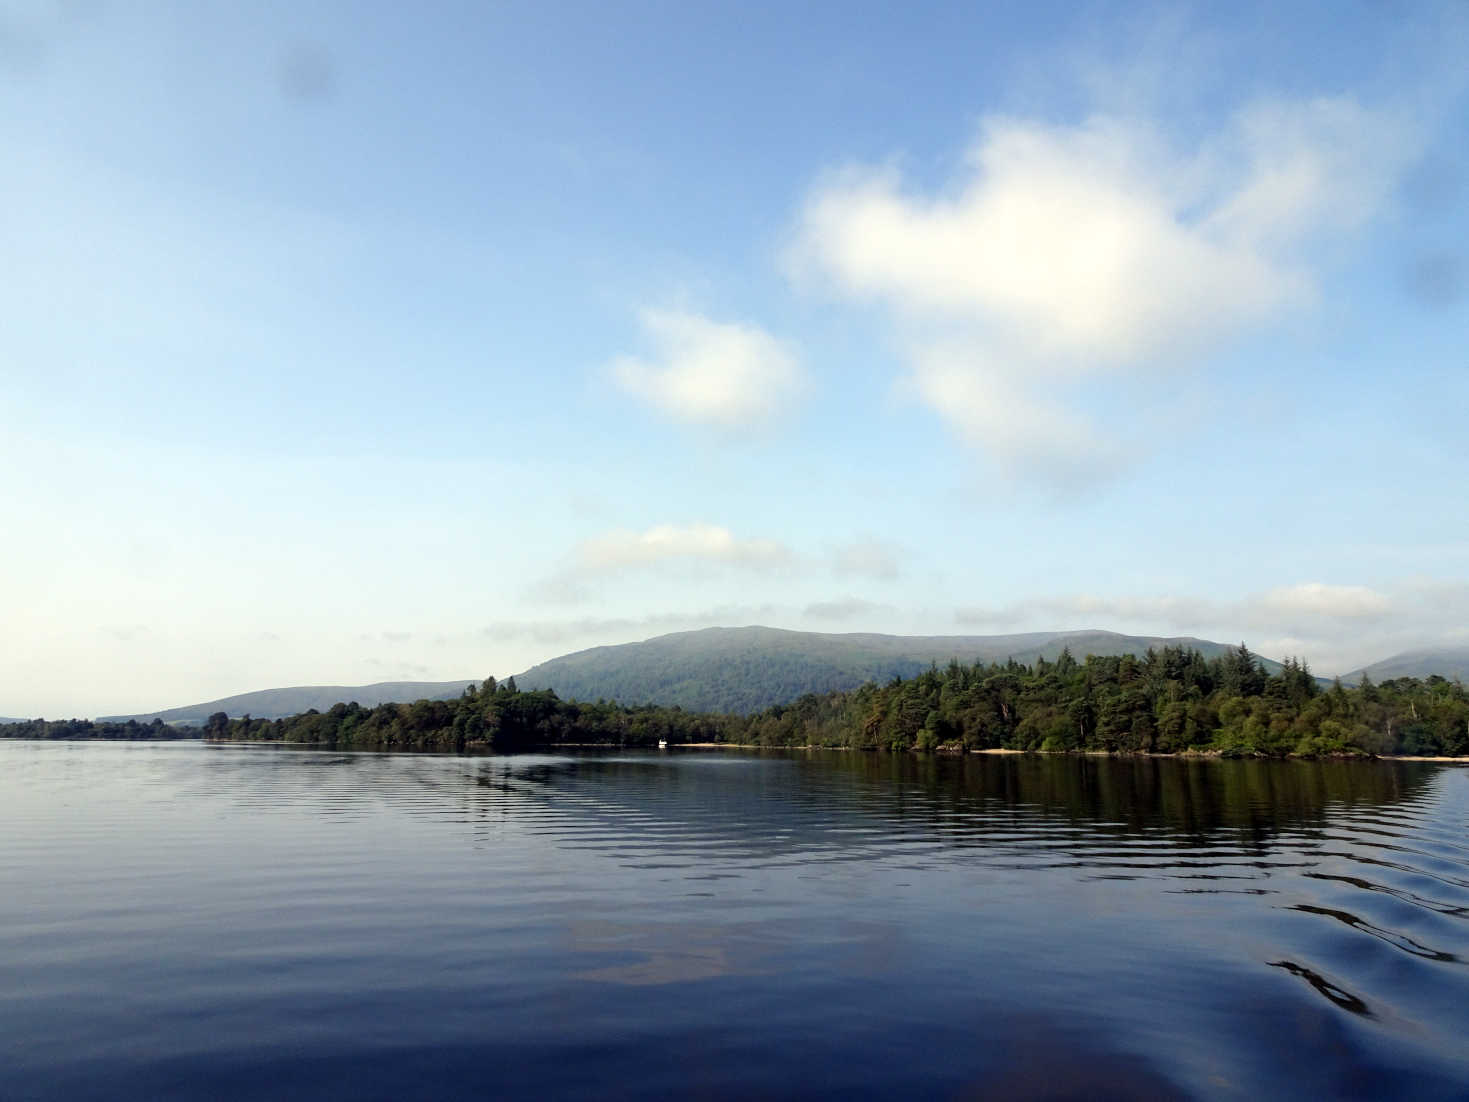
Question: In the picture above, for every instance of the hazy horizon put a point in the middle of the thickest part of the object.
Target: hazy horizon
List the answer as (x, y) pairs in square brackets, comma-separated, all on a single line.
[(266, 690), (352, 343)]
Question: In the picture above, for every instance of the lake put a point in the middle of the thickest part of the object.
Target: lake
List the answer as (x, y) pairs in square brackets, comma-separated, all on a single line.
[(252, 922)]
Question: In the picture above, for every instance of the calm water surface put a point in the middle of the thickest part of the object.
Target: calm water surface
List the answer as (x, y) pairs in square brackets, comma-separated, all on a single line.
[(190, 921)]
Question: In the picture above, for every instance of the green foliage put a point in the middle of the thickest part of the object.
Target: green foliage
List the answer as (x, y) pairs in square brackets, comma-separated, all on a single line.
[(1168, 700), (491, 717), (57, 729), (750, 669)]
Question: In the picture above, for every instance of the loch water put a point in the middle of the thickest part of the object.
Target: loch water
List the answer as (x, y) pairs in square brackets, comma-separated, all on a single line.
[(191, 921)]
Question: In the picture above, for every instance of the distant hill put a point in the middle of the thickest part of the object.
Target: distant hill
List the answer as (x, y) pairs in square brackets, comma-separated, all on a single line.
[(279, 703), (717, 669), (1450, 662), (4, 719), (750, 668)]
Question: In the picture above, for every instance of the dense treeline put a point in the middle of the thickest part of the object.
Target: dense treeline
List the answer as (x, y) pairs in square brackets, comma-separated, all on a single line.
[(1168, 701), (491, 716), (88, 729), (747, 670)]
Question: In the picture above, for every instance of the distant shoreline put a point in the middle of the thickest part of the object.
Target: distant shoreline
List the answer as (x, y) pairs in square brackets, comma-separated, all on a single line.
[(1003, 751), (1000, 751), (1008, 751)]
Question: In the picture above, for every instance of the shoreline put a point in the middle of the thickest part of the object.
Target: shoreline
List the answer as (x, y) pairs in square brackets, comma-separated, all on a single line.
[(1203, 755), (954, 752)]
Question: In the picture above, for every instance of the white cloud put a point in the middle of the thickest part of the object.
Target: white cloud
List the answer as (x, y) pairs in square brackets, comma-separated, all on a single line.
[(1277, 610), (845, 608), (664, 542), (700, 552), (1321, 165), (1020, 428), (1338, 602), (714, 373), (1094, 251)]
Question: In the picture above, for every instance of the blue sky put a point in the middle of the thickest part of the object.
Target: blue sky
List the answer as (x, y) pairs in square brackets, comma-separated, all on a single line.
[(347, 342)]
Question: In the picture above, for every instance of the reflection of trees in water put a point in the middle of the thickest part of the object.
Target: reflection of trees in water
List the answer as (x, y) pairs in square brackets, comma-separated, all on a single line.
[(1337, 995), (780, 802), (1352, 850), (1185, 796), (1191, 796)]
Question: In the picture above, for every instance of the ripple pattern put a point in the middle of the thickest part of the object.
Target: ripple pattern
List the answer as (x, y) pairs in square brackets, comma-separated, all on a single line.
[(180, 911)]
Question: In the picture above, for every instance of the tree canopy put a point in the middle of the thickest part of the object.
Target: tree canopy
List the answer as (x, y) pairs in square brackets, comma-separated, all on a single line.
[(1169, 700)]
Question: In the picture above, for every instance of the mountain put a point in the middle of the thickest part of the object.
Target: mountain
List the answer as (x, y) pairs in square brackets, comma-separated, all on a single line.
[(750, 668), (279, 703), (1450, 662), (717, 669)]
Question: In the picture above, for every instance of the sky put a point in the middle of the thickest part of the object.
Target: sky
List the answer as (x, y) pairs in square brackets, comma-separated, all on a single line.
[(354, 342)]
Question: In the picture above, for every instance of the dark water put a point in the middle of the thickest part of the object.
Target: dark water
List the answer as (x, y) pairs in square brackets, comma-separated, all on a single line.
[(182, 921)]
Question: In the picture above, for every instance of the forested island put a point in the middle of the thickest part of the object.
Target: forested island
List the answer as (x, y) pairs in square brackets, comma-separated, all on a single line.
[(1171, 700)]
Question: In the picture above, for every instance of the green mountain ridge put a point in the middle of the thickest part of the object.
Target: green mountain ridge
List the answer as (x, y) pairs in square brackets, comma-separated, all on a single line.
[(747, 669), (1448, 661), (281, 703)]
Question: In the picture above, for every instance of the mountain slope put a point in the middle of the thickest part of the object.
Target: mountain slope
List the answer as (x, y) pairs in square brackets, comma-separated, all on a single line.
[(279, 703), (750, 668), (717, 669), (1450, 662)]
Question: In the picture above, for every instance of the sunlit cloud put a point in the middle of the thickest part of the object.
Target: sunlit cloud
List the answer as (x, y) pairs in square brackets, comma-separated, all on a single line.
[(1062, 254), (1336, 602), (665, 542), (714, 373)]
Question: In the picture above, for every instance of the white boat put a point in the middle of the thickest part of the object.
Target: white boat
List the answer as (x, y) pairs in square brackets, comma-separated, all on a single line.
[(663, 744)]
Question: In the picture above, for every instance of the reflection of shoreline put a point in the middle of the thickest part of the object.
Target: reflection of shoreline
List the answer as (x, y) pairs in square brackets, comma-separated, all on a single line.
[(1183, 755), (476, 751)]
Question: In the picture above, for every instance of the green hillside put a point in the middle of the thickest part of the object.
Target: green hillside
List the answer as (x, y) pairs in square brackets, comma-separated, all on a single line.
[(747, 669), (279, 703), (732, 670), (1449, 662)]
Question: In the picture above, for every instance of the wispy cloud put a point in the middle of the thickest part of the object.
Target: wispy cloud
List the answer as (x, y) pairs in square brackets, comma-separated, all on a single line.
[(1338, 627), (700, 550), (1336, 602), (847, 608), (1282, 608), (610, 629), (695, 550), (707, 372), (867, 558), (1062, 254), (690, 542)]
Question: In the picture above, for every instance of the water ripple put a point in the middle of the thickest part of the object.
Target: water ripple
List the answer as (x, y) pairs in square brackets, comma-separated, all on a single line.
[(845, 900)]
